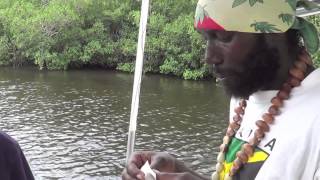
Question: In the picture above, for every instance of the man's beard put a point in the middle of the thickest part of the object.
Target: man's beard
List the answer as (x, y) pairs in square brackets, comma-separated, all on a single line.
[(256, 72)]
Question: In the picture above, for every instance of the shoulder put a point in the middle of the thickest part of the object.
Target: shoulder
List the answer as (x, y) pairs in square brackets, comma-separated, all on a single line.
[(7, 142), (307, 96)]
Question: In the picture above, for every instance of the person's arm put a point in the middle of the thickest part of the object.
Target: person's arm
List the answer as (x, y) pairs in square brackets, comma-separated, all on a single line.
[(165, 165), (13, 164)]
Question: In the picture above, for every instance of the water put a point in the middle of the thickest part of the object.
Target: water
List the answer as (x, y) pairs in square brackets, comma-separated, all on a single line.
[(73, 125)]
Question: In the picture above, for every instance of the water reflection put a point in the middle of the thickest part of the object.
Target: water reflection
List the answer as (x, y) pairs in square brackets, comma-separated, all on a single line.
[(73, 125)]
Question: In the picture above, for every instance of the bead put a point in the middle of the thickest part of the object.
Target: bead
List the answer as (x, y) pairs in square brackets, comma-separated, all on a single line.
[(237, 163), (263, 126), (277, 101), (294, 82), (230, 132), (268, 118), (215, 176), (239, 110), (301, 65), (274, 110), (235, 126), (243, 103), (226, 139), (233, 171), (286, 87), (237, 118), (242, 156), (283, 94), (219, 167), (223, 148), (220, 157), (228, 177), (254, 141), (259, 134), (297, 73), (306, 58), (248, 149)]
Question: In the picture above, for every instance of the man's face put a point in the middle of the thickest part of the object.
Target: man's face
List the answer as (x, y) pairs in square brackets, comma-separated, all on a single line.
[(243, 62)]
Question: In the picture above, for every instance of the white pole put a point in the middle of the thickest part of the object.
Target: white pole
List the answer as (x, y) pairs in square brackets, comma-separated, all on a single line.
[(301, 12), (137, 78)]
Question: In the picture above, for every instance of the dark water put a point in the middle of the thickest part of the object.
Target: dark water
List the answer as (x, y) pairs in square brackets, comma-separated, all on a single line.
[(73, 125)]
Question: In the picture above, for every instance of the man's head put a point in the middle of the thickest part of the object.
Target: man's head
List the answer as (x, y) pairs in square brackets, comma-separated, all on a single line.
[(247, 62), (252, 44)]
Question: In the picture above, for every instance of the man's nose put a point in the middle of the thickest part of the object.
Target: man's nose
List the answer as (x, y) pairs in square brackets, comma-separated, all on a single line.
[(213, 54)]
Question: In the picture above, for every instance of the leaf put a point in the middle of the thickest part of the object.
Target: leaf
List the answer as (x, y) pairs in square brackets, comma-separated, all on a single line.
[(286, 18), (253, 2), (265, 27), (238, 3), (309, 34), (292, 3)]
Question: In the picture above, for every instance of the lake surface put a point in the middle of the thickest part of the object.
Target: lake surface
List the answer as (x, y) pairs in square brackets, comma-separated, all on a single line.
[(73, 125)]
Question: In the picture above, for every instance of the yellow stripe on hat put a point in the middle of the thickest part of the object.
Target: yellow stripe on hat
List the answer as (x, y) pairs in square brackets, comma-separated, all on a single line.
[(250, 16)]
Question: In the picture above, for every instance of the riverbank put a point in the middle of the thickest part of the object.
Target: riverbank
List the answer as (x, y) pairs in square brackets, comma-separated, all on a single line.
[(60, 35)]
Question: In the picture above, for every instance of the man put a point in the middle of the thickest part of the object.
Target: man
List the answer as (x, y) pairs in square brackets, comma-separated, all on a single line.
[(257, 55), (13, 164)]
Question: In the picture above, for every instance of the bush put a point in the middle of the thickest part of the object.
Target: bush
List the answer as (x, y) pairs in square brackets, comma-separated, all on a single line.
[(193, 74), (126, 67), (316, 21)]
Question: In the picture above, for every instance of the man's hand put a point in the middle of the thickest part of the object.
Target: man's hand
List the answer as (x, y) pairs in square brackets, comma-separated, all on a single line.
[(165, 165)]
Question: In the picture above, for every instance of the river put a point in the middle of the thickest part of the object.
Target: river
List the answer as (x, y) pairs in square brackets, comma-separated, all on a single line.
[(73, 124)]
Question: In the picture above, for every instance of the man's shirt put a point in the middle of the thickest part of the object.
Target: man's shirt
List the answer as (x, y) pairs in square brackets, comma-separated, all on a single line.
[(291, 149)]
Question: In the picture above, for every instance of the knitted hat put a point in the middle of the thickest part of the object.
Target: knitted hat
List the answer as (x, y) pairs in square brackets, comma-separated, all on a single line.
[(257, 16)]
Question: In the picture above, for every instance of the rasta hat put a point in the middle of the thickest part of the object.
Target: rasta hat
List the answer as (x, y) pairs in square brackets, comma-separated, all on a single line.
[(257, 16)]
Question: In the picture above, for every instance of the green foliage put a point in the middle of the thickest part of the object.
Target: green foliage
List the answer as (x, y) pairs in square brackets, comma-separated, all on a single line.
[(60, 34), (316, 21), (171, 66), (195, 74), (126, 67), (4, 51)]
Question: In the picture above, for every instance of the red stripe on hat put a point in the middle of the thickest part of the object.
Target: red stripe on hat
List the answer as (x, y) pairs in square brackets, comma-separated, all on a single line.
[(208, 23)]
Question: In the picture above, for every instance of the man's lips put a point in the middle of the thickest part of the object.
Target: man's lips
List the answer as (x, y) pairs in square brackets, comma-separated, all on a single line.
[(222, 74)]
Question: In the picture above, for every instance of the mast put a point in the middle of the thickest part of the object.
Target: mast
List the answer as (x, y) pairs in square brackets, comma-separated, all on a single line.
[(137, 78)]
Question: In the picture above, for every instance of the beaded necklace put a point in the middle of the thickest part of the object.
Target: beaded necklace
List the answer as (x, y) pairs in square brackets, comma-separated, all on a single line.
[(296, 75)]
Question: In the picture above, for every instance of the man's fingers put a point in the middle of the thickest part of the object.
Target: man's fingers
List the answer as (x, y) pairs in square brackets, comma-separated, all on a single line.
[(134, 171), (172, 176), (139, 158), (163, 162), (126, 176), (167, 176)]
